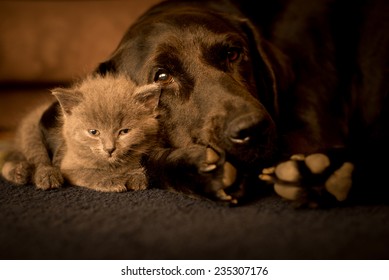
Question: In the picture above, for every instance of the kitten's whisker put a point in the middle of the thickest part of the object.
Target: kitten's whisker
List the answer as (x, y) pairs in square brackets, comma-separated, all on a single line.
[(140, 151)]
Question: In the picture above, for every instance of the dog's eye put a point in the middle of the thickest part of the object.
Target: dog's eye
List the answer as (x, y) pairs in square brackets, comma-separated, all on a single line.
[(233, 54), (163, 76)]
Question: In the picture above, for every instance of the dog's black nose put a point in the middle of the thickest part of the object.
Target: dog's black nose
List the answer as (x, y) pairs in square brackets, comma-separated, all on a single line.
[(245, 128)]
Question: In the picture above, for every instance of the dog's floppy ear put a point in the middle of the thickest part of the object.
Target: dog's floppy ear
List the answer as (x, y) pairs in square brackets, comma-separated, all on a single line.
[(148, 95), (272, 66), (105, 67)]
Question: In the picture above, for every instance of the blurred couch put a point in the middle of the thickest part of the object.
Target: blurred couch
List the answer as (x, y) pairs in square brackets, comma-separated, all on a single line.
[(50, 43)]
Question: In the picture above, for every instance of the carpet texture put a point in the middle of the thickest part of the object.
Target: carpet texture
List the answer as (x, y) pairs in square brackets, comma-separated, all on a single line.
[(77, 223)]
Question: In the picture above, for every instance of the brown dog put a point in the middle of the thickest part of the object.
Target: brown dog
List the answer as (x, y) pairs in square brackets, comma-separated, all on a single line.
[(245, 88)]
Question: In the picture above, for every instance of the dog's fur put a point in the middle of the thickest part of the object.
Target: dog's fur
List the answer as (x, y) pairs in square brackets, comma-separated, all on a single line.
[(260, 83)]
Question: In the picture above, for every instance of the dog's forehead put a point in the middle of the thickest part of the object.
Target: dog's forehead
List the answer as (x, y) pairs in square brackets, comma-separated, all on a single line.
[(173, 39), (189, 23), (215, 23), (192, 31)]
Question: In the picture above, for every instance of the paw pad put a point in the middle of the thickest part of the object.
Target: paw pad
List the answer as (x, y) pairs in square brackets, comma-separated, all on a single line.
[(211, 160), (228, 174), (340, 182), (317, 163), (288, 171), (287, 191), (307, 178)]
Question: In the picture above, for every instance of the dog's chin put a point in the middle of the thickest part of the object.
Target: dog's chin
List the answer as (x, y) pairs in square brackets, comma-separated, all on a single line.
[(251, 155), (251, 159)]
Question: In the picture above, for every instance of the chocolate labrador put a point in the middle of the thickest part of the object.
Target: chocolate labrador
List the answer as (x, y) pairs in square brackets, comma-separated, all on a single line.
[(288, 92)]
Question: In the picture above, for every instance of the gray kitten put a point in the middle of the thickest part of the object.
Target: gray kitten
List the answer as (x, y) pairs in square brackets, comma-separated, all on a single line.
[(95, 136)]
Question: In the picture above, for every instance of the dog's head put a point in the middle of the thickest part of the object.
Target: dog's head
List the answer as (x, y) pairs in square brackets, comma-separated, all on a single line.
[(218, 85)]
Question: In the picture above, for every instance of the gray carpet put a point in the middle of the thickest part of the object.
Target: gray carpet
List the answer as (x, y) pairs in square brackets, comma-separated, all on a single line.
[(76, 223)]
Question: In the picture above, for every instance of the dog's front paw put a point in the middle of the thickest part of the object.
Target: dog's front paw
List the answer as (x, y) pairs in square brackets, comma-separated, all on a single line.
[(312, 180), (220, 175)]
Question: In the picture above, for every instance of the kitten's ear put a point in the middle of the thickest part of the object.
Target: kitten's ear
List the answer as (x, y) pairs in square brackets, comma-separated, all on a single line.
[(68, 99), (148, 95)]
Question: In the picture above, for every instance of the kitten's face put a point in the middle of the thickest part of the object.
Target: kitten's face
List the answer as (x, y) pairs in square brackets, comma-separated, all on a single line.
[(108, 119), (114, 141)]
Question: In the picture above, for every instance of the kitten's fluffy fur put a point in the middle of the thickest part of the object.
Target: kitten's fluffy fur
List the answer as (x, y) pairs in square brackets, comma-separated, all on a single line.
[(95, 136)]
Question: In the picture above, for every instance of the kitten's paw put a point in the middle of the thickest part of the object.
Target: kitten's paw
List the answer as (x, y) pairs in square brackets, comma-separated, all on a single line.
[(311, 181), (18, 173), (48, 177), (137, 181), (110, 185)]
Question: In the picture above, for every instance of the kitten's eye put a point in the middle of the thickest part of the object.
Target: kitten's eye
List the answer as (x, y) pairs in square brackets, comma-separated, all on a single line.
[(124, 131), (163, 77), (93, 132)]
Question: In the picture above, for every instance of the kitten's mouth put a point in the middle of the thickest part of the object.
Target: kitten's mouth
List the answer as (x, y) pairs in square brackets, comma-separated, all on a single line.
[(111, 157)]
